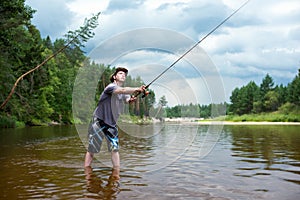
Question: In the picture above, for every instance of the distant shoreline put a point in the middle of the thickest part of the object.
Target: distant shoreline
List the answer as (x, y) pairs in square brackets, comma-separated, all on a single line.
[(246, 123), (204, 122)]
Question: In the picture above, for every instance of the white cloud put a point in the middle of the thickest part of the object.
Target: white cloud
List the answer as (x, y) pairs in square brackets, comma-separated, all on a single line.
[(263, 37), (285, 8), (85, 8), (51, 18)]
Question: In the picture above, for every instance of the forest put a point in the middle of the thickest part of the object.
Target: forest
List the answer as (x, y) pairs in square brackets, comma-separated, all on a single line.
[(252, 102), (45, 95)]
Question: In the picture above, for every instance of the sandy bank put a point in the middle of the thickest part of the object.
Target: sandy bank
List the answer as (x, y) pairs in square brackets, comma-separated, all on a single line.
[(248, 123), (200, 122)]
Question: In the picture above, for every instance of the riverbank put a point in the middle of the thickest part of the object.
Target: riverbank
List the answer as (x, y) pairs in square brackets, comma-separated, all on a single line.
[(183, 120), (245, 123), (224, 122)]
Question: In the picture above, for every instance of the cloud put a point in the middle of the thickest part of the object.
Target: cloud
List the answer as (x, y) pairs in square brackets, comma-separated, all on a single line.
[(263, 37), (52, 18), (84, 8), (121, 5), (253, 48)]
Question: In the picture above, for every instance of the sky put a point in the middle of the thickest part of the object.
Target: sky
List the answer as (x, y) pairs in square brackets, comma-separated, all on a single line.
[(147, 36)]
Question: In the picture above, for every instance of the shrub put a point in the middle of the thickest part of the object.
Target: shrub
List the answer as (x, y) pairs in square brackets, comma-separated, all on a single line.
[(6, 122)]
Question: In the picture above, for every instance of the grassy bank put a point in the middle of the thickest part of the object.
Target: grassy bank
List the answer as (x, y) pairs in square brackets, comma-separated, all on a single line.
[(135, 119), (6, 122), (264, 117)]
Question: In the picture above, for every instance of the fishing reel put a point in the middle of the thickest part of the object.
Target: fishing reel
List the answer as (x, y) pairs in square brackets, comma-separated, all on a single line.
[(145, 93)]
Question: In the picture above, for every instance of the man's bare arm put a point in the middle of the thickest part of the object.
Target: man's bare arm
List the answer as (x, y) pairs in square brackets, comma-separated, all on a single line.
[(128, 90)]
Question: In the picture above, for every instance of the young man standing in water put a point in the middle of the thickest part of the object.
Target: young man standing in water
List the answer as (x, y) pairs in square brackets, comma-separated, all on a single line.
[(106, 115)]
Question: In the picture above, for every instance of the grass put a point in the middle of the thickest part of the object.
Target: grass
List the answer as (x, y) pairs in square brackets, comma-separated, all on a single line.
[(8, 122), (264, 117), (135, 119), (286, 113)]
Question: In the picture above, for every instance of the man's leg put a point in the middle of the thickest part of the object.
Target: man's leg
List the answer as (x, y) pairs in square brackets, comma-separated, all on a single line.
[(88, 159), (95, 136), (115, 159), (115, 174)]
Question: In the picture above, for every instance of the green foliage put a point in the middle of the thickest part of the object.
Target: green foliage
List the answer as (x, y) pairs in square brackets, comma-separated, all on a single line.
[(294, 90), (264, 117), (6, 122), (282, 94), (141, 107), (84, 33), (87, 82), (163, 101), (271, 101), (134, 119), (174, 111), (205, 111), (93, 78), (287, 108), (266, 98), (244, 99), (45, 94), (197, 111), (266, 85), (21, 47)]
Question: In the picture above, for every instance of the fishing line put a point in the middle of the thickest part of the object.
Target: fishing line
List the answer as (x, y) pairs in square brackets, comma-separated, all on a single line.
[(213, 30)]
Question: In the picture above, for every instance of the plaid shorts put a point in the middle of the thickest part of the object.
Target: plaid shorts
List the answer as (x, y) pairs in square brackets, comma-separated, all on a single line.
[(97, 131)]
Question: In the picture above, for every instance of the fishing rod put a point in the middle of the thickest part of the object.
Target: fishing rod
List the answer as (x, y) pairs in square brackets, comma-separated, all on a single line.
[(176, 61)]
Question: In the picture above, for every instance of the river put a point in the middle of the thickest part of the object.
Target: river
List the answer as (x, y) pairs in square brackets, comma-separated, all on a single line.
[(166, 161)]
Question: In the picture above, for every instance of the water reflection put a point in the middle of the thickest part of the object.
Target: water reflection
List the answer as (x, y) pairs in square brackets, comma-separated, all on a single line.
[(104, 189), (151, 153), (268, 143), (247, 162), (267, 151)]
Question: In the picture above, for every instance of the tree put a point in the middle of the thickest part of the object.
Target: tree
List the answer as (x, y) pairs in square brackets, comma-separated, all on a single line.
[(253, 95), (163, 101), (244, 105), (282, 94), (21, 47), (294, 90), (234, 98), (266, 98), (243, 99), (190, 110), (266, 86), (149, 102), (271, 102), (174, 111), (75, 39), (41, 93), (205, 110)]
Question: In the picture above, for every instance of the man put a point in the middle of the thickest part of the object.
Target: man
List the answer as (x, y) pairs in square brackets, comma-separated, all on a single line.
[(106, 115)]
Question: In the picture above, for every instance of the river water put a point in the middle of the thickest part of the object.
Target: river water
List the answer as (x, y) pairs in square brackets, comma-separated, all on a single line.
[(167, 161)]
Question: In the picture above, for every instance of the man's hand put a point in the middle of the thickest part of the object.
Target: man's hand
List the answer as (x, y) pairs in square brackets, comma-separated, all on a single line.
[(138, 91), (142, 89)]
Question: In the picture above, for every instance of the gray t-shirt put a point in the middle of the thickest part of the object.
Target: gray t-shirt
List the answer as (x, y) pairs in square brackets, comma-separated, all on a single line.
[(110, 105)]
